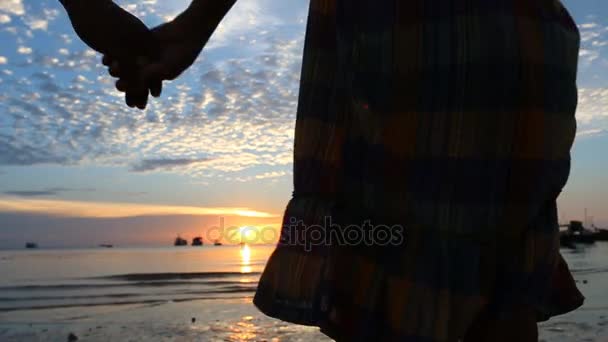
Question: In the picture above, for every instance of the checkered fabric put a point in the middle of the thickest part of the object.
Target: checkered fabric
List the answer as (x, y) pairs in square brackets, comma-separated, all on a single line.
[(448, 123)]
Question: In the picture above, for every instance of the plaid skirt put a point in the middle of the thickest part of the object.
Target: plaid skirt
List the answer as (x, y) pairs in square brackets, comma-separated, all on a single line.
[(432, 140)]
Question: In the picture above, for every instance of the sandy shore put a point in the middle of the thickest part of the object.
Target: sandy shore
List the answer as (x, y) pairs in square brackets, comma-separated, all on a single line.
[(215, 320), (235, 320)]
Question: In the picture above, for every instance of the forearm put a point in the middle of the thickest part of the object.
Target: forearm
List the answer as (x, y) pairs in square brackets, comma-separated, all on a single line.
[(203, 16)]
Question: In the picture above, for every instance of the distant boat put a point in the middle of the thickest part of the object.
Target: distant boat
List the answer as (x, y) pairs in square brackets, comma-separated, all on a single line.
[(180, 242), (31, 245), (106, 246), (576, 233), (217, 243), (601, 234), (197, 241)]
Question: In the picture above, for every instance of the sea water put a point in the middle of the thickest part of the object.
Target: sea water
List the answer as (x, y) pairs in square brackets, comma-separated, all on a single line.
[(199, 293)]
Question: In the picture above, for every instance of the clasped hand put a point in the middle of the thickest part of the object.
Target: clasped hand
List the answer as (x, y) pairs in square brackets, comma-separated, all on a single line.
[(178, 49)]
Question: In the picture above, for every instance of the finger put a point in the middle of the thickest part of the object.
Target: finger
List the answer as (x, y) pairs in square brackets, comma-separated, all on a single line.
[(142, 99), (130, 99), (122, 85), (156, 85), (137, 95), (154, 72), (136, 99), (131, 95), (156, 88), (107, 60), (114, 69)]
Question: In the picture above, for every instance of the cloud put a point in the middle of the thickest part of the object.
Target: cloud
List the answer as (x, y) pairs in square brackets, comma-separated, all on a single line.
[(30, 193), (235, 107), (591, 132), (38, 24), (593, 55), (117, 210), (16, 153), (589, 55), (45, 192), (592, 106), (272, 175), (14, 7), (164, 164), (24, 50)]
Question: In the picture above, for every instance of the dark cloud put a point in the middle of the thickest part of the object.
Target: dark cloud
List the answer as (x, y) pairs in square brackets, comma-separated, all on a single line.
[(46, 192), (164, 164), (12, 153), (31, 193)]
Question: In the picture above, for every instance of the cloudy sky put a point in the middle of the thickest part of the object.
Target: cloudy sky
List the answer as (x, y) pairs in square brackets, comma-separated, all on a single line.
[(78, 167)]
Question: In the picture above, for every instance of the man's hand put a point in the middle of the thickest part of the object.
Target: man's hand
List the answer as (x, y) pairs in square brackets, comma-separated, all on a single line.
[(114, 32), (178, 49), (109, 29)]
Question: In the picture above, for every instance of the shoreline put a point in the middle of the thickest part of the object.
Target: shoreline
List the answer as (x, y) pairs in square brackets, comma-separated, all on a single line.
[(218, 320)]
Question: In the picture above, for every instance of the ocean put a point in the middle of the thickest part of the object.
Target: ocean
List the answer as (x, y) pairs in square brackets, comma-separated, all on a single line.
[(34, 279), (198, 293)]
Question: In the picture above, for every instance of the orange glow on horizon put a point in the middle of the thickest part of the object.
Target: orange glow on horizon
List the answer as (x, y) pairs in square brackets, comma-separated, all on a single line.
[(117, 210)]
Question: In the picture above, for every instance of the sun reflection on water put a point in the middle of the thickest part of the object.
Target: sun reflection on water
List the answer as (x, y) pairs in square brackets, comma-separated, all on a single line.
[(245, 259)]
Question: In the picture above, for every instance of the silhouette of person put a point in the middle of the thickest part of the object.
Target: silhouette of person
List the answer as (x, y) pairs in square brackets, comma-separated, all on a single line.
[(446, 125)]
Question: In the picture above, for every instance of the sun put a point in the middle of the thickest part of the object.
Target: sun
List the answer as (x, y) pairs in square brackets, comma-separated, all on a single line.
[(248, 234)]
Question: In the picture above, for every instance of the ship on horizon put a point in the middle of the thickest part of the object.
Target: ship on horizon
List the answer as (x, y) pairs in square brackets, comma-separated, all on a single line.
[(576, 232), (179, 241)]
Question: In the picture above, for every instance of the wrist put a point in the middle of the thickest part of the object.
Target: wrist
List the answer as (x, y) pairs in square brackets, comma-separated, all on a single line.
[(202, 17)]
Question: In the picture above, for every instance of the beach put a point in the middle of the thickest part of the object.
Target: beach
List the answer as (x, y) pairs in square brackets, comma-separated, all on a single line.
[(198, 294)]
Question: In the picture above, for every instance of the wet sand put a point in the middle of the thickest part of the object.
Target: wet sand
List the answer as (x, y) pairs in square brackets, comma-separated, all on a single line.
[(233, 320), (214, 320)]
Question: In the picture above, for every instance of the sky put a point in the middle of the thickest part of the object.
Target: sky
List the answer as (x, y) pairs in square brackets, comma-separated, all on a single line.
[(79, 168)]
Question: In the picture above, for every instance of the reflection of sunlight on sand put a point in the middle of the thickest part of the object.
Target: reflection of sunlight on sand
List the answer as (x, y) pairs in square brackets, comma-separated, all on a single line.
[(245, 259), (255, 328), (244, 330)]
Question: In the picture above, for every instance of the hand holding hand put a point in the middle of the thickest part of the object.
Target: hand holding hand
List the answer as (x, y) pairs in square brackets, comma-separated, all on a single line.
[(179, 47), (109, 29)]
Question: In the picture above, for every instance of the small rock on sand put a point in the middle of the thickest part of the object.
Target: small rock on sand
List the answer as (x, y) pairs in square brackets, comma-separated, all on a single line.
[(72, 337)]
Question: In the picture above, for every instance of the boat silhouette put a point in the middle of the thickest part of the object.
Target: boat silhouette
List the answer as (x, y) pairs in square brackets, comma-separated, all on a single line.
[(576, 233), (179, 241)]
